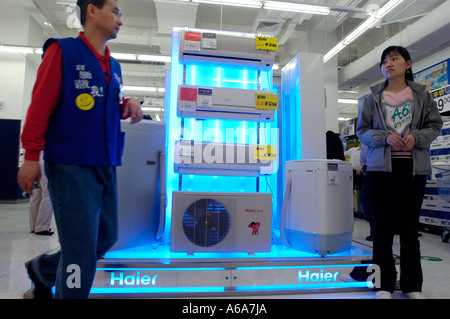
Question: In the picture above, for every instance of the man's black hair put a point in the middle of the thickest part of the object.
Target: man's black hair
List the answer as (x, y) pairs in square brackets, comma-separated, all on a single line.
[(83, 4)]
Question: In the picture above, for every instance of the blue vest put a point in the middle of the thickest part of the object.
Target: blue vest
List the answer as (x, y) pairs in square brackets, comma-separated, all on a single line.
[(85, 129)]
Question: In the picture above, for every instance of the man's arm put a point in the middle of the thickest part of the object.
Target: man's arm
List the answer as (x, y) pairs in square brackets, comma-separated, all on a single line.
[(45, 98)]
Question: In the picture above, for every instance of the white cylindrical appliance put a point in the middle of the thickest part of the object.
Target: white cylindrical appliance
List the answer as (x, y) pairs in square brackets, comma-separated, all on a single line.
[(317, 214)]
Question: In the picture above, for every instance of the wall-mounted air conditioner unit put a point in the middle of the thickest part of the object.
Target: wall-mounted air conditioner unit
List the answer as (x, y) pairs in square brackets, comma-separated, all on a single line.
[(222, 103), (224, 159), (231, 49), (221, 222)]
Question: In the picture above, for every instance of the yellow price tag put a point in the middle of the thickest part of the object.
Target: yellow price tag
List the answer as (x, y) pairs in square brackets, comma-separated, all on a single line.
[(266, 43), (266, 101), (265, 152)]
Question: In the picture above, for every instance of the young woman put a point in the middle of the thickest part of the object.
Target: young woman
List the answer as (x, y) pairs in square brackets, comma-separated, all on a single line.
[(398, 121)]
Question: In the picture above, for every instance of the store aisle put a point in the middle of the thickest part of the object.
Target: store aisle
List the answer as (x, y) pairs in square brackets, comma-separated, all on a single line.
[(17, 245)]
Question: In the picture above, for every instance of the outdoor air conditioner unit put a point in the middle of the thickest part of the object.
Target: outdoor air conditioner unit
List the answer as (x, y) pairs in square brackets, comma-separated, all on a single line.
[(221, 103), (224, 159), (231, 49), (221, 222)]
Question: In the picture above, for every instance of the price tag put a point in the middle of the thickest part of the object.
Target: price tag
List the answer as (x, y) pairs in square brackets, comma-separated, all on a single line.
[(265, 152), (266, 43), (192, 41), (266, 101), (442, 98), (333, 174), (188, 98), (209, 41), (204, 97)]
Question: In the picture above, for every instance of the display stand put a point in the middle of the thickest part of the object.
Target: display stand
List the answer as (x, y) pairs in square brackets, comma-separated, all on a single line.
[(202, 59)]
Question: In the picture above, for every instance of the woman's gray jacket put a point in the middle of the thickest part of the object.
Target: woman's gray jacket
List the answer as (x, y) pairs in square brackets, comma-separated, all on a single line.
[(372, 131)]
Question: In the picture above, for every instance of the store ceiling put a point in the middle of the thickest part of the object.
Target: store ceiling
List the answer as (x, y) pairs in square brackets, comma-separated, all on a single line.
[(147, 26)]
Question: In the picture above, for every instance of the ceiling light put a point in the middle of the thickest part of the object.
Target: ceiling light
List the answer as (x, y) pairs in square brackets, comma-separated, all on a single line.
[(17, 49), (333, 51), (152, 109), (140, 88), (123, 56), (387, 8), (154, 58), (363, 27), (304, 8), (238, 3), (347, 101)]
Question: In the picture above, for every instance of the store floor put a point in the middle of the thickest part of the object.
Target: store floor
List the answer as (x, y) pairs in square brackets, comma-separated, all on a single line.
[(18, 245)]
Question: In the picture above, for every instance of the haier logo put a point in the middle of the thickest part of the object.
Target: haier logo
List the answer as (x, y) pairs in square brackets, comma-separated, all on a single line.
[(132, 280), (317, 277)]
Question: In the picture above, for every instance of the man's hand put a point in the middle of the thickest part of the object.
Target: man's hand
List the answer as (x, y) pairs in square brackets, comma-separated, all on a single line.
[(29, 173), (133, 110)]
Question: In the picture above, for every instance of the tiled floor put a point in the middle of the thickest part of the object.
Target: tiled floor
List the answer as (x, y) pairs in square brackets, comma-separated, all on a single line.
[(17, 245)]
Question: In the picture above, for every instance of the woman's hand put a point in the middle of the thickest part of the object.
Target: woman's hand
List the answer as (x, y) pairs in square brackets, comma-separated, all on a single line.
[(409, 141), (405, 144), (395, 140)]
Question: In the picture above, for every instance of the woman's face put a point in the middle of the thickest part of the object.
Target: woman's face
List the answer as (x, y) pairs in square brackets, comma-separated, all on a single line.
[(394, 66)]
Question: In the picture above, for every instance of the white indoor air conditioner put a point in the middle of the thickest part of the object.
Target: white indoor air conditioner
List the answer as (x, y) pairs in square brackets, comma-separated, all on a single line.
[(231, 49), (141, 185), (317, 213), (223, 159), (221, 103), (221, 222)]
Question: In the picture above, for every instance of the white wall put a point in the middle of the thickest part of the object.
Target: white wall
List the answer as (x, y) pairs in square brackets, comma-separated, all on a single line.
[(12, 75), (17, 71)]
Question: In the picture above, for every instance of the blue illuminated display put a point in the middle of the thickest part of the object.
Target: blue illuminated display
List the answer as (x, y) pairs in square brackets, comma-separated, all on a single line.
[(357, 284), (214, 130), (122, 280)]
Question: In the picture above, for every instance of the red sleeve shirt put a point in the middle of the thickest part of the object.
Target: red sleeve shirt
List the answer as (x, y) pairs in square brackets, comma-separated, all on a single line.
[(46, 96)]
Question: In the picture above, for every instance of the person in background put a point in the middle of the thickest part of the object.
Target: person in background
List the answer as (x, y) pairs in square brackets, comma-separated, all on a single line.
[(354, 154), (75, 116), (366, 194), (398, 121), (335, 149), (41, 210)]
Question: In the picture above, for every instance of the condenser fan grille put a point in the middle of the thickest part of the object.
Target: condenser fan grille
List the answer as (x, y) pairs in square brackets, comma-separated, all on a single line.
[(206, 222)]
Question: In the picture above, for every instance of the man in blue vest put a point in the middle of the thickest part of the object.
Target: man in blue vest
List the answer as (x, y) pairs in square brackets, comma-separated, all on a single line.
[(75, 117)]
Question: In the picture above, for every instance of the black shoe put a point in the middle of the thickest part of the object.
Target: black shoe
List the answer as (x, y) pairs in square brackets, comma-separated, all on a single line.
[(44, 233), (40, 291), (369, 238)]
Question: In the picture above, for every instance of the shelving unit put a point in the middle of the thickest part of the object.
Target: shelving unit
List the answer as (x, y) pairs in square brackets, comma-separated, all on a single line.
[(222, 140), (234, 194)]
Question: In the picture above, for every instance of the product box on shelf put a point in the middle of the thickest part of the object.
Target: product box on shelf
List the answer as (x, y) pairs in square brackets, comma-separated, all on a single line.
[(446, 128), (430, 213), (431, 188), (445, 214)]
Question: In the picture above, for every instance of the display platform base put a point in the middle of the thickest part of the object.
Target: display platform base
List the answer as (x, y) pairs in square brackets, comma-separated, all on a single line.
[(155, 272)]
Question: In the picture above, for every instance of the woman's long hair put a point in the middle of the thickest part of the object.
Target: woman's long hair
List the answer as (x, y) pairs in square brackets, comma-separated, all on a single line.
[(404, 53)]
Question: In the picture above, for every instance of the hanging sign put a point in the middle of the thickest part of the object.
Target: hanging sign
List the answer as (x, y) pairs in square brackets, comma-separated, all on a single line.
[(266, 101), (265, 152), (266, 43), (434, 77)]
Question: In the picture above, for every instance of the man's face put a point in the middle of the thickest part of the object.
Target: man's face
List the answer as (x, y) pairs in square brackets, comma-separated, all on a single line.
[(109, 19)]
